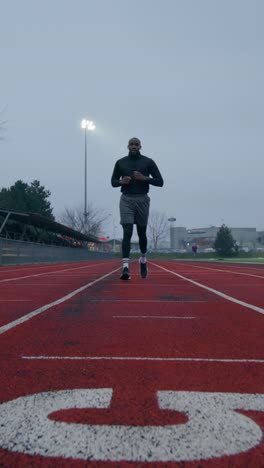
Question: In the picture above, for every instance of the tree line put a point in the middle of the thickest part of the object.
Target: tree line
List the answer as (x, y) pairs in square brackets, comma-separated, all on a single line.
[(27, 197), (34, 198)]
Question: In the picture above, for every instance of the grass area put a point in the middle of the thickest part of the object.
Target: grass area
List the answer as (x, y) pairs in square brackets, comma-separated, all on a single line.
[(244, 260), (244, 257)]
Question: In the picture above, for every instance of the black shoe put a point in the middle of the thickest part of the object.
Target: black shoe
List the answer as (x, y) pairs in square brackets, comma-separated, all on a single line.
[(143, 269), (125, 274)]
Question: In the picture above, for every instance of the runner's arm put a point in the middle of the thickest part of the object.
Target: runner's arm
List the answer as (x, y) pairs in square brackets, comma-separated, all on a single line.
[(115, 179), (156, 177)]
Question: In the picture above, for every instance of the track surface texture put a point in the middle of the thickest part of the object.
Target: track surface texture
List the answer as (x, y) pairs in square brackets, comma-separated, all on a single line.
[(166, 371)]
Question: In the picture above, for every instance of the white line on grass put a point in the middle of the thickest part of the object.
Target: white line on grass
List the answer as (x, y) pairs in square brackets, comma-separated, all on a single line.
[(38, 311), (126, 358), (214, 291)]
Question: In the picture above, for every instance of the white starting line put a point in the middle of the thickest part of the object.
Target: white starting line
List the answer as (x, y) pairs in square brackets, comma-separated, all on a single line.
[(138, 358), (146, 300), (152, 317)]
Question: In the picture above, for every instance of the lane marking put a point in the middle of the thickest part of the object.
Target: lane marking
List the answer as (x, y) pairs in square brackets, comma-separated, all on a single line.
[(139, 283), (126, 358), (50, 273), (214, 428), (214, 291), (95, 301), (12, 269), (39, 285), (237, 265), (38, 311), (151, 316), (223, 271), (25, 285), (144, 300), (15, 300)]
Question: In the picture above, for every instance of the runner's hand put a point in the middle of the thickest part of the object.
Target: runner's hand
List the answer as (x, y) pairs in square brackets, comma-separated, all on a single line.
[(138, 176), (125, 180)]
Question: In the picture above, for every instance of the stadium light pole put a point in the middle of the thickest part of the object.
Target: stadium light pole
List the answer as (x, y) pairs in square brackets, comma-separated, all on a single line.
[(171, 221), (86, 125), (114, 231), (114, 235)]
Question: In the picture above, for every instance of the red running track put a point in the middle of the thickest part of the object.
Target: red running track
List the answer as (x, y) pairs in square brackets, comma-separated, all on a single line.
[(166, 371)]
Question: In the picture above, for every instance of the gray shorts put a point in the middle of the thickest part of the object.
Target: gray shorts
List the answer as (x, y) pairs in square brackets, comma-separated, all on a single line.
[(134, 209)]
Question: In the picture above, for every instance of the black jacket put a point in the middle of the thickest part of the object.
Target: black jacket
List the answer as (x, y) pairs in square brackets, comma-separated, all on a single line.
[(127, 165)]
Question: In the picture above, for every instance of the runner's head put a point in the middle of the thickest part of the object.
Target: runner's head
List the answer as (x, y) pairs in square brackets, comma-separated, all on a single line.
[(134, 145)]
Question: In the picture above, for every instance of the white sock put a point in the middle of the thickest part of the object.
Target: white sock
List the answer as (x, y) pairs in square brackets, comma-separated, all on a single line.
[(125, 263), (143, 258)]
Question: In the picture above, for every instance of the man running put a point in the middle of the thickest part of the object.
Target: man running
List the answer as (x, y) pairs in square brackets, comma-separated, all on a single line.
[(134, 174)]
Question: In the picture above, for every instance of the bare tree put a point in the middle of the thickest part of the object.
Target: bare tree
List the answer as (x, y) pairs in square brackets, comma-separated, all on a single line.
[(157, 227), (74, 218), (2, 125)]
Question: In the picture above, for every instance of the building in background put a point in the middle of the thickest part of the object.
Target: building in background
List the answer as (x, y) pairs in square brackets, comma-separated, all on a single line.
[(182, 239)]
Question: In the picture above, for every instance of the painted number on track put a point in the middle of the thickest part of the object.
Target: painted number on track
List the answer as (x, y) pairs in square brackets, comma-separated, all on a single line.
[(214, 428)]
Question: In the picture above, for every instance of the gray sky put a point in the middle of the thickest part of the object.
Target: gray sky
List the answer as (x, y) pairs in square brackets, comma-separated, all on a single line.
[(186, 77)]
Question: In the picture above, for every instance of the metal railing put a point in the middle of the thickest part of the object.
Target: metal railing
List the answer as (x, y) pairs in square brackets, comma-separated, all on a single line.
[(14, 252)]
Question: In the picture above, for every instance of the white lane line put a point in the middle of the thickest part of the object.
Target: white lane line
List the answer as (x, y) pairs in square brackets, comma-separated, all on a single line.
[(54, 284), (126, 358), (224, 271), (139, 283), (38, 311), (39, 285), (152, 316), (15, 300), (25, 285), (6, 269), (144, 300), (214, 291), (237, 265), (49, 273)]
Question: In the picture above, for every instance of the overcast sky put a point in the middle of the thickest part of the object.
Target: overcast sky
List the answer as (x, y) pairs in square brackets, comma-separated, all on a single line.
[(185, 76)]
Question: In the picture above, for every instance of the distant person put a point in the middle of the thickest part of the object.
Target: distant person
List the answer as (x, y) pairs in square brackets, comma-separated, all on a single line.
[(132, 173), (194, 249)]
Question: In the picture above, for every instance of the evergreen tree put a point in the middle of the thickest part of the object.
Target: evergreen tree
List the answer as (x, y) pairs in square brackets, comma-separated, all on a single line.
[(225, 244), (30, 198)]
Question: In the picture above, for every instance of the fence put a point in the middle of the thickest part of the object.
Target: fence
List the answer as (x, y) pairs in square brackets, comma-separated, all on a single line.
[(13, 252)]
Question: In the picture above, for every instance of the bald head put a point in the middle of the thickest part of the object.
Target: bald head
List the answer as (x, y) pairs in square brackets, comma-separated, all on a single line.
[(134, 140), (134, 144)]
